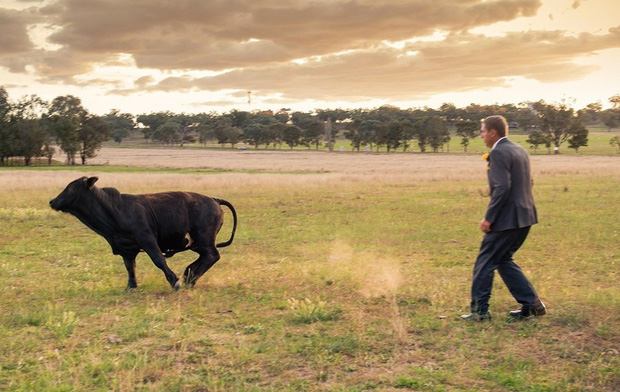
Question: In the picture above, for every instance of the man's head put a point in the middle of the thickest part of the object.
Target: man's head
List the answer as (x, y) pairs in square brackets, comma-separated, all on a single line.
[(493, 128)]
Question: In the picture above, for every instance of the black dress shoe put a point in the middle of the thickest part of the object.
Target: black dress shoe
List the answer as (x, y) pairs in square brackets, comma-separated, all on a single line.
[(539, 308), (536, 310), (522, 313), (477, 317)]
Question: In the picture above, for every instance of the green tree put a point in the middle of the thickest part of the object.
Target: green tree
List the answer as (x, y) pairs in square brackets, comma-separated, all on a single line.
[(64, 119), (557, 122), (393, 135), (291, 136), (467, 130), (312, 134), (186, 123), (120, 124), (206, 125), (5, 133), (276, 133), (65, 130), (167, 133), (312, 127), (5, 105), (368, 130), (591, 113), (474, 112), (254, 134), (537, 138), (29, 132), (615, 141), (153, 121), (282, 116), (264, 117), (331, 120), (421, 133), (526, 117), (228, 134), (48, 151), (386, 114), (437, 132), (238, 118), (379, 133), (352, 133), (579, 137), (611, 118), (408, 132), (93, 132), (450, 113)]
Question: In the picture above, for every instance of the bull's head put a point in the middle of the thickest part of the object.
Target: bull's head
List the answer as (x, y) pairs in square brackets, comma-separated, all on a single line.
[(72, 192)]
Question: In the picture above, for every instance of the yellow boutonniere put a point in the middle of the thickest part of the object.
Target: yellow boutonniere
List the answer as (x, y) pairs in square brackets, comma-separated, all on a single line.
[(485, 156)]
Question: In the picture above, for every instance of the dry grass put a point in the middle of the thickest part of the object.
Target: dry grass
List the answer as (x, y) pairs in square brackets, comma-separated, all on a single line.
[(272, 169), (438, 166)]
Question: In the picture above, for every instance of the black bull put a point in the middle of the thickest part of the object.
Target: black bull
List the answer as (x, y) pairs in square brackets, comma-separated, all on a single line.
[(159, 224)]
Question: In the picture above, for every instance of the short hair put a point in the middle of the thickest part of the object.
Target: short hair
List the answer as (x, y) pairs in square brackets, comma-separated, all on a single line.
[(498, 123)]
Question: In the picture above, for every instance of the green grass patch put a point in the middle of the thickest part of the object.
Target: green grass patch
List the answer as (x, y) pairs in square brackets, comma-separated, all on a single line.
[(340, 286)]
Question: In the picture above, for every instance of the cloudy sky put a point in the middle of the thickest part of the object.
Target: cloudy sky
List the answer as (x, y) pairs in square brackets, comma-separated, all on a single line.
[(141, 56)]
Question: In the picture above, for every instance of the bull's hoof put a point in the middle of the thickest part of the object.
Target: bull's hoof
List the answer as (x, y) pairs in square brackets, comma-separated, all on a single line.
[(188, 278), (177, 285)]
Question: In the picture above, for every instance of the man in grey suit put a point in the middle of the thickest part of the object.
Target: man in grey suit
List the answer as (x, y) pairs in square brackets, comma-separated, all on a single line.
[(506, 224)]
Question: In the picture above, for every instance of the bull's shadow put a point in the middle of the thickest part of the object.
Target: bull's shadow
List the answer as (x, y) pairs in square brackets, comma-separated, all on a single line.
[(160, 224)]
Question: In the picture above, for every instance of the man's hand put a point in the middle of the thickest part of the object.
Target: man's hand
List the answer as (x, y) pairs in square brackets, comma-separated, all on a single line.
[(485, 226)]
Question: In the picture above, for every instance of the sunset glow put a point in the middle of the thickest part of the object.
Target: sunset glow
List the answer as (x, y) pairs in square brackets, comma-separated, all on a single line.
[(142, 56)]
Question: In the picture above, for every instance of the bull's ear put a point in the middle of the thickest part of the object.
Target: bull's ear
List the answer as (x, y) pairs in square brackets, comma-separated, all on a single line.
[(91, 181)]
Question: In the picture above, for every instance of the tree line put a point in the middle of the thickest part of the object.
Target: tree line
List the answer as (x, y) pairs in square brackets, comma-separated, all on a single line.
[(32, 128)]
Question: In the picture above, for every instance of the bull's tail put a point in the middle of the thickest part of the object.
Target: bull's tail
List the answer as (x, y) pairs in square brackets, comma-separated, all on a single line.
[(234, 214)]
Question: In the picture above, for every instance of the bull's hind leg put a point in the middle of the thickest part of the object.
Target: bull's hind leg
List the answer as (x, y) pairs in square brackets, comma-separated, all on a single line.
[(130, 264), (208, 257)]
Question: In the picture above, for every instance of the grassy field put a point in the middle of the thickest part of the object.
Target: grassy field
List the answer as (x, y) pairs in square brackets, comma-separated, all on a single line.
[(348, 273)]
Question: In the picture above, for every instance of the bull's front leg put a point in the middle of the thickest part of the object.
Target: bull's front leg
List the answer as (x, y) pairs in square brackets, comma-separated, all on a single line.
[(130, 264), (160, 261), (152, 249)]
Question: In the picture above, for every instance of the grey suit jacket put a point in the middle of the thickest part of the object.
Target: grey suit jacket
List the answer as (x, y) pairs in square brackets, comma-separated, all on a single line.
[(512, 204)]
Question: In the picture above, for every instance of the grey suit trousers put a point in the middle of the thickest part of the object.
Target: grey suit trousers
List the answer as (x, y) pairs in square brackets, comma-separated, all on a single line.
[(496, 253)]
